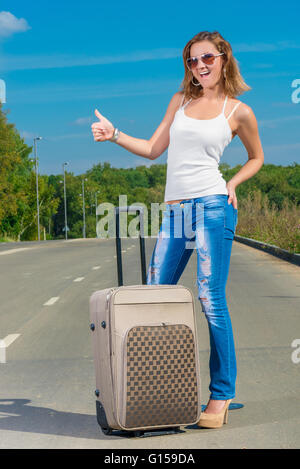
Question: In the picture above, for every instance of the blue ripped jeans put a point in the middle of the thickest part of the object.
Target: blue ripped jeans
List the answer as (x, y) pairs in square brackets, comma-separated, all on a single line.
[(206, 224)]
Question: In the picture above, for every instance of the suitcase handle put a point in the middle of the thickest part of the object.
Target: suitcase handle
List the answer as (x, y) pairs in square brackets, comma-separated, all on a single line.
[(128, 209)]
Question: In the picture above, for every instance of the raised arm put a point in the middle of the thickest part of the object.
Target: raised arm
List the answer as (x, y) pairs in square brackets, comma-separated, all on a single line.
[(103, 130)]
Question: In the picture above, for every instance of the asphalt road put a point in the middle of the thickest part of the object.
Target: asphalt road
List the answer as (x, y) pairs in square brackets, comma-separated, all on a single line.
[(47, 380)]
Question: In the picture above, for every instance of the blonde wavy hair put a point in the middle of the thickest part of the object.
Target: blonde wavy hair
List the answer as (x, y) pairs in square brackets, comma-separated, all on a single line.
[(234, 85)]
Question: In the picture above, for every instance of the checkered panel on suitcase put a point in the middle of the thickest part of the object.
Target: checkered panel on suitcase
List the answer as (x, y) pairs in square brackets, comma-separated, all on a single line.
[(161, 376)]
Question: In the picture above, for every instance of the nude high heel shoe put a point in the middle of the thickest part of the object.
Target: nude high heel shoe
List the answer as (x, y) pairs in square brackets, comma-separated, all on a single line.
[(214, 420)]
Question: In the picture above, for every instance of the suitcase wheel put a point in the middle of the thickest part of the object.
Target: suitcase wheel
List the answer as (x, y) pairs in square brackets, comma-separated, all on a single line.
[(101, 418), (107, 430)]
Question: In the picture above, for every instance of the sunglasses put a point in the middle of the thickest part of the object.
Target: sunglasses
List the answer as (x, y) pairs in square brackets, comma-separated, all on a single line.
[(208, 59)]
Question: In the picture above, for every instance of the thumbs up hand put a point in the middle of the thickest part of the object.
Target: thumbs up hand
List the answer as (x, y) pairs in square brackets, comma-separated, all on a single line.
[(103, 129)]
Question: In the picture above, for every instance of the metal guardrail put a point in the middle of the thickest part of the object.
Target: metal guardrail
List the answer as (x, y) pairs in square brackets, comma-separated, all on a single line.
[(270, 249)]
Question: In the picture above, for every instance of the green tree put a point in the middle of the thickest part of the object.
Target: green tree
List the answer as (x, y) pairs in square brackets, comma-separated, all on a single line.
[(15, 169)]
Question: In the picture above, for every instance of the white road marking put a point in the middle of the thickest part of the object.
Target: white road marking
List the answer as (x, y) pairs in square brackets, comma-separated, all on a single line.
[(96, 267), (78, 279), (12, 251), (4, 343), (6, 414), (51, 301)]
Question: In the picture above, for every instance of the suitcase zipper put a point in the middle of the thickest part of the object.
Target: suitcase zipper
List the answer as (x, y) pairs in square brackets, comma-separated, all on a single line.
[(107, 315)]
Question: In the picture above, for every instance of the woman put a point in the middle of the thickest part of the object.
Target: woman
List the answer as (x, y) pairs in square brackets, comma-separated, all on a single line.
[(201, 120)]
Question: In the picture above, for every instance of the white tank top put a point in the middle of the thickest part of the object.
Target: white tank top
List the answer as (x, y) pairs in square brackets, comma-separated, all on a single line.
[(194, 152)]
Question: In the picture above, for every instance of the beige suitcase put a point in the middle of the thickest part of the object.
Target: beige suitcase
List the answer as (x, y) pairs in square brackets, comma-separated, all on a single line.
[(146, 358)]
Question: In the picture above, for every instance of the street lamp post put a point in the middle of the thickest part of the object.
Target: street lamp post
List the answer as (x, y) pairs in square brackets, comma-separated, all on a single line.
[(65, 200), (96, 202), (37, 184), (83, 208)]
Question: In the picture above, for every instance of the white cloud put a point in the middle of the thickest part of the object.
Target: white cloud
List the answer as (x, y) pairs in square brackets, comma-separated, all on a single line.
[(265, 46), (27, 135), (288, 104), (283, 147), (141, 162), (262, 65), (272, 123), (83, 121), (93, 93), (32, 62), (58, 138), (50, 61), (10, 25)]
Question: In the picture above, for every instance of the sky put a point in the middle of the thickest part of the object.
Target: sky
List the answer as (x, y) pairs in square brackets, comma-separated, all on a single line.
[(62, 59)]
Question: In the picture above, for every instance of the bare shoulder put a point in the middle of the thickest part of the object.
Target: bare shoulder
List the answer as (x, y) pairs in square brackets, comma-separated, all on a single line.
[(178, 97), (244, 114), (175, 101)]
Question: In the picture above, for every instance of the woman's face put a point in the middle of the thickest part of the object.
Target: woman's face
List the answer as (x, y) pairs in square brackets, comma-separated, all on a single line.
[(215, 70)]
